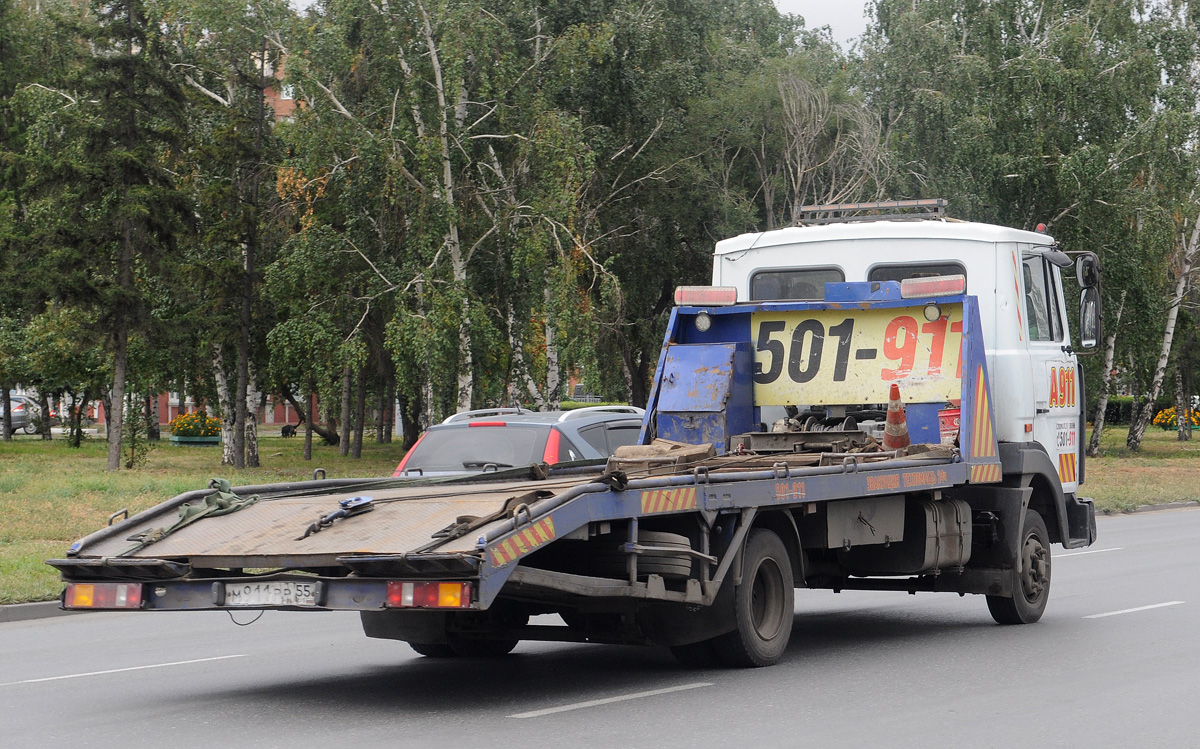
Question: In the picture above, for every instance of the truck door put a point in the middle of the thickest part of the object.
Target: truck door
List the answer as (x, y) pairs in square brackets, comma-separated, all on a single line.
[(1055, 384)]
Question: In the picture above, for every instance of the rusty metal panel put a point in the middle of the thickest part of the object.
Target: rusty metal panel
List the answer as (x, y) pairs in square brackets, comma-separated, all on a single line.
[(403, 520)]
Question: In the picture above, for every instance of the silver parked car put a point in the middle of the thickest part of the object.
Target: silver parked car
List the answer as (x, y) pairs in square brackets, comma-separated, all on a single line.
[(25, 414)]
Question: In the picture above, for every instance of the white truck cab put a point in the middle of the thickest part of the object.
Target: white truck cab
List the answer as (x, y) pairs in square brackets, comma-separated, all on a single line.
[(1015, 274)]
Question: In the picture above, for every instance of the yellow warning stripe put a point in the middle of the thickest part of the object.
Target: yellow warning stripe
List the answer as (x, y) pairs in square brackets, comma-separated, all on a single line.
[(983, 441), (669, 500), (985, 474), (520, 544), (1066, 468)]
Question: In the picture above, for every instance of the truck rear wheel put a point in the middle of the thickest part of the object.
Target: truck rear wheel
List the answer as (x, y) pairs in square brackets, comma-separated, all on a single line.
[(763, 605), (432, 650), (1031, 576), (473, 648)]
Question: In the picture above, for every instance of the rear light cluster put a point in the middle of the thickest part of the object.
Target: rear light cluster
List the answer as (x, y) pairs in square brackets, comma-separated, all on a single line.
[(919, 288), (705, 296), (428, 595), (103, 596)]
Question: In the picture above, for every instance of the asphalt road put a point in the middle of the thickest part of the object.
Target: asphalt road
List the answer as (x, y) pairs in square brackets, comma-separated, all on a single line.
[(1113, 663)]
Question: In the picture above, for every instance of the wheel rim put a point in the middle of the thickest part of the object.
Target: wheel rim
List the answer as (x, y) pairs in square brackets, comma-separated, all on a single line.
[(1035, 568), (766, 599)]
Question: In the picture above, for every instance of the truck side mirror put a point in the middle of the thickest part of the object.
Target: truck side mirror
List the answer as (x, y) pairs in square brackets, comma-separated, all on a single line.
[(1087, 270), (1089, 318)]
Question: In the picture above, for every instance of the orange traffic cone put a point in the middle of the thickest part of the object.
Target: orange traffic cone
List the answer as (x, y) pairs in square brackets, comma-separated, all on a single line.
[(895, 428)]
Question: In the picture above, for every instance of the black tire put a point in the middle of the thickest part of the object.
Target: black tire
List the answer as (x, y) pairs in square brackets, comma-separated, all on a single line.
[(697, 655), (613, 562), (1031, 576), (763, 605), (431, 650), (30, 428), (471, 648)]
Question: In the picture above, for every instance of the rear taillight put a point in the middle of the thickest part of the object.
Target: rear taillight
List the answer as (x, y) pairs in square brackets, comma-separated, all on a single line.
[(705, 296), (103, 596), (553, 442), (428, 595), (488, 424), (19, 407), (919, 288)]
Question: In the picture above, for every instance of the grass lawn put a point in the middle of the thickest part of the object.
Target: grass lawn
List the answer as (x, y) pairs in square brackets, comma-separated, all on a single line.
[(51, 495)]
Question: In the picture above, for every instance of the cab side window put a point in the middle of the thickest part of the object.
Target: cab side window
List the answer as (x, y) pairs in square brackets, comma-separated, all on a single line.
[(905, 271), (806, 284), (1041, 300)]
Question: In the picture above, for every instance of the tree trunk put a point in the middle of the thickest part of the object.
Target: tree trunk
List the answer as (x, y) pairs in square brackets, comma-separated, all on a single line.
[(360, 413), (227, 406), (344, 430), (1110, 349), (457, 261), (153, 432), (389, 411), (6, 394), (1137, 429), (44, 406), (1182, 433), (409, 427), (254, 401), (310, 420), (116, 414)]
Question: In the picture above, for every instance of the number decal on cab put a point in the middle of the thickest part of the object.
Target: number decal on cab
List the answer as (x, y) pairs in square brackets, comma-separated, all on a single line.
[(1062, 387), (853, 356)]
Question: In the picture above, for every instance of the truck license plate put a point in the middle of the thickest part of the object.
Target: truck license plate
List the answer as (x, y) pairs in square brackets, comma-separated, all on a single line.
[(274, 593)]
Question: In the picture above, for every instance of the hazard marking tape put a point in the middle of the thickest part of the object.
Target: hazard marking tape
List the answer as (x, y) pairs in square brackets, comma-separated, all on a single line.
[(983, 440), (669, 500), (518, 545), (985, 474), (1066, 468)]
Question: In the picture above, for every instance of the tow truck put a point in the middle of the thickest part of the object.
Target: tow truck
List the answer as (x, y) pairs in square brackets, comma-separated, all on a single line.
[(880, 398)]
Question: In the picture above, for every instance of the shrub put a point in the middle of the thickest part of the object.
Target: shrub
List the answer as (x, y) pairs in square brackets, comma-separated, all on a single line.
[(198, 424)]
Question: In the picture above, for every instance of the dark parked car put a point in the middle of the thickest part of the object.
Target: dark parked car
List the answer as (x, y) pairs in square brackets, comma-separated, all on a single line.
[(500, 438)]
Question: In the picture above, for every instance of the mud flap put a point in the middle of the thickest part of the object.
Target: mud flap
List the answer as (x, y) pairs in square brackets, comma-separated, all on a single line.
[(1081, 522)]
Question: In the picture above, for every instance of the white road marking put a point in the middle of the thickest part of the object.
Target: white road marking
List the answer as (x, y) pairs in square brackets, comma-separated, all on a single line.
[(120, 670), (1089, 551), (610, 700), (1130, 611)]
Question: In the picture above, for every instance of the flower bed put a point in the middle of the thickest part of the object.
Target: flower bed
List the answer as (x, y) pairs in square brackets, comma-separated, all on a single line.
[(198, 424), (1167, 420)]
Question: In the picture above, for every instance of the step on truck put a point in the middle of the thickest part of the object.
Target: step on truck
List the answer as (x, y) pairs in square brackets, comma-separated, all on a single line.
[(880, 398)]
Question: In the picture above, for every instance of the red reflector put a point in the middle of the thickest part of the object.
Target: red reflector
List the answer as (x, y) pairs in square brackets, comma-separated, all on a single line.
[(103, 596), (428, 595), (488, 424), (705, 296), (916, 288), (550, 454)]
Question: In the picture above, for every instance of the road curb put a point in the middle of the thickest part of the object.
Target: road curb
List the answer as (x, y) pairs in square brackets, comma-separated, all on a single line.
[(1188, 504), (22, 612)]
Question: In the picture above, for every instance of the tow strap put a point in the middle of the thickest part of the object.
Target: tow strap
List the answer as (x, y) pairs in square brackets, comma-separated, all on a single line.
[(221, 502)]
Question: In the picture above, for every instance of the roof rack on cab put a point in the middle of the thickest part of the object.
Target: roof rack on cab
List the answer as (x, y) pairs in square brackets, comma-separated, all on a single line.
[(580, 412), (480, 412), (935, 208)]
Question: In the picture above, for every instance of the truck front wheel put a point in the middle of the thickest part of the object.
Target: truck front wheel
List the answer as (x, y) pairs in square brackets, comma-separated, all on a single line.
[(1031, 576), (763, 605)]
